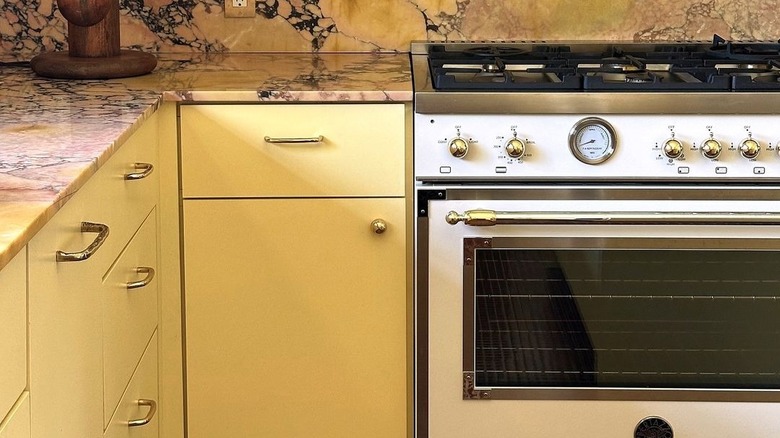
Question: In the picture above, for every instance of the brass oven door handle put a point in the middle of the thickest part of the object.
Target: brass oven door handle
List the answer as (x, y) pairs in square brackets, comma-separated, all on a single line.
[(294, 140), (149, 271), (146, 169), (487, 218), (86, 227), (144, 421)]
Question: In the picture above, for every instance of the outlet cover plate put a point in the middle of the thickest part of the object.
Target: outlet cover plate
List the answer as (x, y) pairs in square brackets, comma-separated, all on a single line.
[(233, 8)]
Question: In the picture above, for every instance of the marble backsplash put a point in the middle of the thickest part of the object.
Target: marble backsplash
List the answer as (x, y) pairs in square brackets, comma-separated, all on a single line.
[(30, 26)]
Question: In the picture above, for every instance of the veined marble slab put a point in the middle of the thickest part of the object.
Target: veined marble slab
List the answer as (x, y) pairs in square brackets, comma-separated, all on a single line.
[(55, 134)]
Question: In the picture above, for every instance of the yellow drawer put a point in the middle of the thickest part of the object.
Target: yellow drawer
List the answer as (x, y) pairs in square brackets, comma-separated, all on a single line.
[(134, 407), (17, 423), (109, 198), (129, 311), (13, 331), (225, 152)]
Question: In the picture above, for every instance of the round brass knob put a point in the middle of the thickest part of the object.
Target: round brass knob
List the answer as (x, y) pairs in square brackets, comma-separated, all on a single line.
[(711, 148), (673, 148), (379, 226), (459, 147), (749, 148), (515, 148)]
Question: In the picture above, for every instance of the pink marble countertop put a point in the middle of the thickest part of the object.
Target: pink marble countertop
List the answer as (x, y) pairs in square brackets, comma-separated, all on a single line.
[(54, 134)]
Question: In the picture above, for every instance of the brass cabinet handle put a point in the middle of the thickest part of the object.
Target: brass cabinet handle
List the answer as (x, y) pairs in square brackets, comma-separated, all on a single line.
[(86, 227), (149, 271), (145, 170), (487, 218), (152, 410), (379, 226), (294, 140)]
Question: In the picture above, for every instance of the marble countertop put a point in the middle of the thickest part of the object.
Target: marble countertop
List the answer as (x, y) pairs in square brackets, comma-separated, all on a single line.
[(54, 134)]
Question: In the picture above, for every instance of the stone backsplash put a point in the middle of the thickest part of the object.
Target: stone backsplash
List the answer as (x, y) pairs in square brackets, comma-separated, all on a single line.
[(30, 26)]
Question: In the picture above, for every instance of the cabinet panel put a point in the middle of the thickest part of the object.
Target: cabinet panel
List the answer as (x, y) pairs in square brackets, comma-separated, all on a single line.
[(225, 154), (66, 352), (296, 318), (17, 423), (13, 331), (129, 313), (143, 386)]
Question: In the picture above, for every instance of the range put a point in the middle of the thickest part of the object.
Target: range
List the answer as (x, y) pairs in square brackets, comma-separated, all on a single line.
[(597, 236)]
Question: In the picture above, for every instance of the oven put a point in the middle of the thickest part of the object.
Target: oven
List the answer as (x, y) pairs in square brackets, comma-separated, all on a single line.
[(594, 263)]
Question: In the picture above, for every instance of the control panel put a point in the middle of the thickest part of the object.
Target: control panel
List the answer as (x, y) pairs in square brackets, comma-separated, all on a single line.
[(594, 147)]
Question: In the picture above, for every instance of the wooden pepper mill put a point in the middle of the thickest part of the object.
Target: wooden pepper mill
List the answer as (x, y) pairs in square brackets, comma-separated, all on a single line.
[(93, 45)]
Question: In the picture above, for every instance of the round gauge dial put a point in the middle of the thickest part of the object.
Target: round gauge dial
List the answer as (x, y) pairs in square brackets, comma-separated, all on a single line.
[(592, 140)]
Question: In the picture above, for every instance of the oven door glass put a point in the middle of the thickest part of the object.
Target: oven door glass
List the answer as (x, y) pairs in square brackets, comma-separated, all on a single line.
[(621, 313)]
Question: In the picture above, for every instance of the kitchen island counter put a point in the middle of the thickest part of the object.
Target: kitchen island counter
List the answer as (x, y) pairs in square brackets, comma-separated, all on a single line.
[(55, 134)]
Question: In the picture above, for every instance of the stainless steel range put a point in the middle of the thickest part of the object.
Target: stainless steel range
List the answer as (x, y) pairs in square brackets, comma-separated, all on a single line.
[(598, 239)]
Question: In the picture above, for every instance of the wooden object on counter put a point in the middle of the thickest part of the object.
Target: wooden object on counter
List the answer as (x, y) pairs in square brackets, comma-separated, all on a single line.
[(94, 51)]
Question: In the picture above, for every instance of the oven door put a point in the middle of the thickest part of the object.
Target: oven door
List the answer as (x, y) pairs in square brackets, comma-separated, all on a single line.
[(557, 313)]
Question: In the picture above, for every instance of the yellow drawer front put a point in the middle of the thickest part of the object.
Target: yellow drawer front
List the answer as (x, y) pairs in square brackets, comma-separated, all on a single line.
[(13, 331), (225, 152), (129, 311), (136, 405)]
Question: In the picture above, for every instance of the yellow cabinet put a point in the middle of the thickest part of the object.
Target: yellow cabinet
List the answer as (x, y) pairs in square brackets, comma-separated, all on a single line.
[(295, 270), (67, 291), (13, 331), (17, 422)]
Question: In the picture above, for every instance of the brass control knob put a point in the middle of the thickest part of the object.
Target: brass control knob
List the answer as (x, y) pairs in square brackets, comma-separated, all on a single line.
[(749, 148), (711, 148), (379, 226), (515, 148), (459, 147), (673, 148)]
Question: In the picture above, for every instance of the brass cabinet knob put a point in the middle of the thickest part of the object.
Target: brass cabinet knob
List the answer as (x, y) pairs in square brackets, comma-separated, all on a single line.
[(379, 226)]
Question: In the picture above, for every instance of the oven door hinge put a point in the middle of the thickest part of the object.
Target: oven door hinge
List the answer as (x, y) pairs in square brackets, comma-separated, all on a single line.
[(469, 393), (424, 196)]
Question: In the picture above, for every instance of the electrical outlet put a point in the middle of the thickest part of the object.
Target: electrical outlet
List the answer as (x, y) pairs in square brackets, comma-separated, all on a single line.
[(240, 8)]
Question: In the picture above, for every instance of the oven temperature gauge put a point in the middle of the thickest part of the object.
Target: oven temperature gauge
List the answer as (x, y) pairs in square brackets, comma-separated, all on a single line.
[(592, 140)]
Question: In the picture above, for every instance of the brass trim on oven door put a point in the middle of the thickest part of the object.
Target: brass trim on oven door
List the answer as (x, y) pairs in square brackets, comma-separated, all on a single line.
[(471, 391)]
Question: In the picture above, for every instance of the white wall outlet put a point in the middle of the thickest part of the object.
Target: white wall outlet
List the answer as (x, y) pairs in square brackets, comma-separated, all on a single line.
[(240, 8)]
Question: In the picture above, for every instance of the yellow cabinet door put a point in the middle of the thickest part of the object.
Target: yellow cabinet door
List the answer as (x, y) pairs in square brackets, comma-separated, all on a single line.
[(295, 318)]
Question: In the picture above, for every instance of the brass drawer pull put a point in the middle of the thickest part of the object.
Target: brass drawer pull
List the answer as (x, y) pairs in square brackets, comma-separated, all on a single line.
[(152, 410), (145, 170), (141, 283), (86, 227), (294, 140)]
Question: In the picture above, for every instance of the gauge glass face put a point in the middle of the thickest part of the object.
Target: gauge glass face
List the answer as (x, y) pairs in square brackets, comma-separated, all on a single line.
[(592, 141)]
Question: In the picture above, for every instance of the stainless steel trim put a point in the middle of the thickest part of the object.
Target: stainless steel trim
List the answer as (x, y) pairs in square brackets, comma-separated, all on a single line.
[(611, 192), (294, 140), (458, 102), (149, 271), (146, 169), (144, 421), (86, 227), (633, 394)]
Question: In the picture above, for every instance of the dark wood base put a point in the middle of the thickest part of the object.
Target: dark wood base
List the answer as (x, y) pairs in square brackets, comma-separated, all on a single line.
[(61, 65)]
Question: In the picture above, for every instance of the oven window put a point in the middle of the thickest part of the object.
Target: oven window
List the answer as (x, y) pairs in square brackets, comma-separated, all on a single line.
[(626, 318)]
